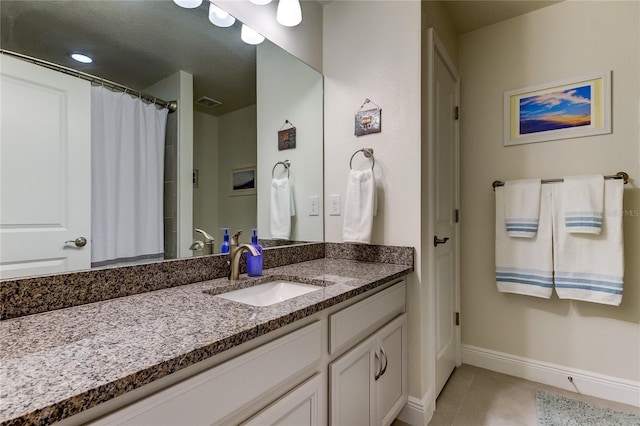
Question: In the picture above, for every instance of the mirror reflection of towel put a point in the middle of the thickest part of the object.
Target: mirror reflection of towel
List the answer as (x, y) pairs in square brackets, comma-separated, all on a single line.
[(360, 207), (282, 208)]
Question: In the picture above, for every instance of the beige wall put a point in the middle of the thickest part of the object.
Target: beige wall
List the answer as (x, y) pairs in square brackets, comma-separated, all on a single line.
[(434, 15), (205, 160), (558, 42), (236, 149), (372, 50), (288, 89)]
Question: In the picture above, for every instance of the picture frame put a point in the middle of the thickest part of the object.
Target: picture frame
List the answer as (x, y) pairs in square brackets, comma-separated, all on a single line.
[(571, 108), (243, 181)]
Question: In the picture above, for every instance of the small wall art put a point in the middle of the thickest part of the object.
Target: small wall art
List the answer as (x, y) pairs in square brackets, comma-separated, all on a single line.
[(243, 181), (565, 109), (287, 137), (368, 121)]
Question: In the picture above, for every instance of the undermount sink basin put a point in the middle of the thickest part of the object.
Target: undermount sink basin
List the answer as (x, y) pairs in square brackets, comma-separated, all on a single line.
[(269, 293)]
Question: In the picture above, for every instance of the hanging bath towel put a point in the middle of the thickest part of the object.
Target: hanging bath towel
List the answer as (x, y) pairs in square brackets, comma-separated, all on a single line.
[(583, 202), (522, 207), (282, 208), (590, 267), (525, 265), (359, 207)]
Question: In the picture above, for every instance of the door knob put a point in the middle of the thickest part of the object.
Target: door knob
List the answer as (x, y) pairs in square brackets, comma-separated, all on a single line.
[(437, 240), (79, 242)]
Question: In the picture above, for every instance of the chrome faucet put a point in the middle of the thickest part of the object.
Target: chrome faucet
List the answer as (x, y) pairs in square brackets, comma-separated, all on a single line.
[(235, 251)]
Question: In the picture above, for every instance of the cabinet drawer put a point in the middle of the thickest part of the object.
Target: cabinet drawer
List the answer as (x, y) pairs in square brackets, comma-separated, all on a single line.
[(350, 325), (223, 390)]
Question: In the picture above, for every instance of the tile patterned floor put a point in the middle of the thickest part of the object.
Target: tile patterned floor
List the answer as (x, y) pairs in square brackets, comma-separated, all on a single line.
[(477, 397)]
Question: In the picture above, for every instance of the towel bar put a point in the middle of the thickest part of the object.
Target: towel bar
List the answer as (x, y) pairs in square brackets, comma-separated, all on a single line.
[(620, 175)]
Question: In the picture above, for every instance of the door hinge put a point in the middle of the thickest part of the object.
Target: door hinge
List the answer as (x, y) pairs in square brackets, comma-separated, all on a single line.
[(456, 215), (456, 113), (457, 318)]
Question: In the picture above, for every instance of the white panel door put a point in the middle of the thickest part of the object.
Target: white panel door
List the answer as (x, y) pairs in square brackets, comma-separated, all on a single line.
[(45, 156), (445, 268)]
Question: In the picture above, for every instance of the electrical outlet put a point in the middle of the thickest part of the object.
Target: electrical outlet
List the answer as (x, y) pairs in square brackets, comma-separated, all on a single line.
[(314, 205), (334, 205)]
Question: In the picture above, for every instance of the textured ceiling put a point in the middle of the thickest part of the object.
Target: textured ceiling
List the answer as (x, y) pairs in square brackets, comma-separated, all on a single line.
[(471, 15), (136, 43)]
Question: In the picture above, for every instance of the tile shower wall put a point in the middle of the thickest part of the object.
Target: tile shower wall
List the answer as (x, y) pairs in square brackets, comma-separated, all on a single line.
[(171, 188)]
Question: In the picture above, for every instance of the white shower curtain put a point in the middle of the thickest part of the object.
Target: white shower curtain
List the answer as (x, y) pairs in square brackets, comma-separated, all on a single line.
[(127, 164)]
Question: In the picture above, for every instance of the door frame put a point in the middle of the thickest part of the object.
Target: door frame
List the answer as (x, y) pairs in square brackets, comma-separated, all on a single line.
[(436, 47)]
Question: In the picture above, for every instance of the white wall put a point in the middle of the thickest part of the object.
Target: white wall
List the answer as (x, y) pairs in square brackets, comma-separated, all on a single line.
[(179, 86), (205, 160), (558, 42), (303, 41), (288, 89), (372, 50), (236, 149)]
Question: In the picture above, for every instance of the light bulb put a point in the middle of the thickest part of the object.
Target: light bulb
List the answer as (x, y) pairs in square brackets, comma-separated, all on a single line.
[(289, 13), (188, 4), (219, 17), (250, 36), (260, 2), (81, 57)]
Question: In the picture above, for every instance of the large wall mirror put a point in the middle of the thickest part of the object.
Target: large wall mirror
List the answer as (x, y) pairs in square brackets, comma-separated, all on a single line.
[(220, 156)]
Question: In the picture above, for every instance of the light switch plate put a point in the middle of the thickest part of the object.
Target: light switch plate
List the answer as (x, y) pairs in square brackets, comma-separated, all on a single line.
[(314, 205), (334, 205)]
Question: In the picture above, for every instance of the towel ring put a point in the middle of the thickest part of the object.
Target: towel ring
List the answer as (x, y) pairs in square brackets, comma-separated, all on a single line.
[(285, 163), (368, 152)]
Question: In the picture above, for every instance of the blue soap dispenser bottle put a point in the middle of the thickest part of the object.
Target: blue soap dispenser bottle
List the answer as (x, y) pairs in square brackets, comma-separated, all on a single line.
[(254, 263), (224, 247)]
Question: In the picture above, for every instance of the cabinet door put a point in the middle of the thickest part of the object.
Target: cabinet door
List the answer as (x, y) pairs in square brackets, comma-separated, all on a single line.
[(303, 406), (351, 381), (391, 387)]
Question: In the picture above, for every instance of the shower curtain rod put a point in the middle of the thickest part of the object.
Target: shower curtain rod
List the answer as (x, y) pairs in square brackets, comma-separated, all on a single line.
[(172, 106)]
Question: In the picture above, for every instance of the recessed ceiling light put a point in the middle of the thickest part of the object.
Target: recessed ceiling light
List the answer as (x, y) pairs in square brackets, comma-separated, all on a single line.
[(81, 58), (260, 2)]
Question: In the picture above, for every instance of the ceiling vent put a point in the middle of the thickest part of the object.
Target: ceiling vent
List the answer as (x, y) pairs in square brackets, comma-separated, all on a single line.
[(208, 102)]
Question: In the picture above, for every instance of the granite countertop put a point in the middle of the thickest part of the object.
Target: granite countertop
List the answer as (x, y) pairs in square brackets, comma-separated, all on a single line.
[(55, 364)]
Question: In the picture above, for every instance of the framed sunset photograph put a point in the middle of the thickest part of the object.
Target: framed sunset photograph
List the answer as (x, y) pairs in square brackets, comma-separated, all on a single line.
[(561, 110)]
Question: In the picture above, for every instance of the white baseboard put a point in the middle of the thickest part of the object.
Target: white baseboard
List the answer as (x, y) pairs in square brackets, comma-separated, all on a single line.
[(418, 412), (584, 382)]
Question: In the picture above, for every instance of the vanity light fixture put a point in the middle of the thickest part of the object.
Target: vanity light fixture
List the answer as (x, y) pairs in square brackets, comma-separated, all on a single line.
[(81, 57), (260, 2), (289, 13), (219, 17), (250, 36), (188, 4)]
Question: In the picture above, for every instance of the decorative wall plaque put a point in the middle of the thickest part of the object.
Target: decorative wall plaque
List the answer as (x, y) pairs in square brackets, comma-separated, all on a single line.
[(287, 137), (369, 121)]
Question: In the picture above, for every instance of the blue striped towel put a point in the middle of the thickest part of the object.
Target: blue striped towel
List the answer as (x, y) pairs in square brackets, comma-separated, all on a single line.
[(525, 265), (522, 207), (590, 267), (583, 201)]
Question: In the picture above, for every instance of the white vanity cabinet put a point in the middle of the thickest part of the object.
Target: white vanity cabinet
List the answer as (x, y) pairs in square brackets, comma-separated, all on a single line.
[(368, 384), (346, 366), (224, 393)]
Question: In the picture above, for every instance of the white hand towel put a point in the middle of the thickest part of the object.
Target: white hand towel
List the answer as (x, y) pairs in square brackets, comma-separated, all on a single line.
[(282, 208), (582, 198), (522, 207), (590, 267), (359, 207), (525, 265)]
